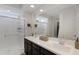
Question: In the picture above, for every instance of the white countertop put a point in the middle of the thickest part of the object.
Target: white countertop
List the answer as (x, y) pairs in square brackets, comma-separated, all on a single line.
[(56, 45)]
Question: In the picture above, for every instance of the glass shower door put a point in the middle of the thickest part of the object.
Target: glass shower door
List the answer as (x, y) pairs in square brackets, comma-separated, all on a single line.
[(11, 35)]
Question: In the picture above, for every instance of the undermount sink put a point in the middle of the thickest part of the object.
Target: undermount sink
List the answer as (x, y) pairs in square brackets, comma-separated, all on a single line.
[(60, 46)]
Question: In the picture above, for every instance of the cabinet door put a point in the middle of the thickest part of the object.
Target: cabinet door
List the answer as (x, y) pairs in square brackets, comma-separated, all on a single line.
[(35, 49), (29, 50), (25, 46), (29, 47)]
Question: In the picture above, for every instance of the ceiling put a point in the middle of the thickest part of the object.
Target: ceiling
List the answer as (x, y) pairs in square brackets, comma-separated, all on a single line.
[(19, 6), (49, 9)]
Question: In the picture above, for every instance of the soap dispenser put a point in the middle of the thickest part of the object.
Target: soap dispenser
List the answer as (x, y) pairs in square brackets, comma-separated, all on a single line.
[(77, 44)]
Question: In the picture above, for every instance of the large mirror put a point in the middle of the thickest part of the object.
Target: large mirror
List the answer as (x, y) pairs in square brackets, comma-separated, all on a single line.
[(54, 20)]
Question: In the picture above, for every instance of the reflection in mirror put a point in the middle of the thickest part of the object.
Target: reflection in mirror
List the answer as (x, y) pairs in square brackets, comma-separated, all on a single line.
[(55, 20), (47, 26), (42, 25)]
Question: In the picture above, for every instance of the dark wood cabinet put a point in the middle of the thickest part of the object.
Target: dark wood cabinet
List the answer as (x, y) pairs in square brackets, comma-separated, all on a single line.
[(34, 49), (46, 52), (27, 47)]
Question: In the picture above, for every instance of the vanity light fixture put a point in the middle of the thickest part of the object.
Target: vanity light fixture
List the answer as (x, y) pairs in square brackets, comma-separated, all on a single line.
[(32, 6), (29, 25)]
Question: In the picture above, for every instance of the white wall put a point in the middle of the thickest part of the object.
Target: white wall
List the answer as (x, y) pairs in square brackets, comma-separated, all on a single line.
[(51, 25), (11, 38), (77, 21), (67, 23)]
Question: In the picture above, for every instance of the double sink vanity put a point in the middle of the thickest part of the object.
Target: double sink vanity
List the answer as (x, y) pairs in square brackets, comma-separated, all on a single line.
[(54, 46)]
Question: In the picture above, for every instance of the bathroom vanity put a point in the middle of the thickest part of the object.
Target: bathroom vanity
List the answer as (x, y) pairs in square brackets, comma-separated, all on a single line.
[(34, 49), (54, 46)]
